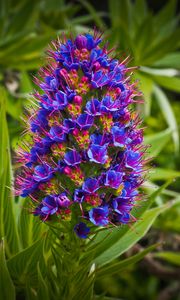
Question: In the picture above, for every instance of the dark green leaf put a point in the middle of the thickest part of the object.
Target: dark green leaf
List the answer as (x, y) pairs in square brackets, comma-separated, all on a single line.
[(7, 289), (118, 267), (8, 228), (132, 236)]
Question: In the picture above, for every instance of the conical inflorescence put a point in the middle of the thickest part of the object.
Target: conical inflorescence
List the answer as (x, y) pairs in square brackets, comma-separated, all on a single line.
[(83, 160)]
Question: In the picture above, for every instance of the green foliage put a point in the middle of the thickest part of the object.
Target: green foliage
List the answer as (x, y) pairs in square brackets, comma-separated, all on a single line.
[(40, 262)]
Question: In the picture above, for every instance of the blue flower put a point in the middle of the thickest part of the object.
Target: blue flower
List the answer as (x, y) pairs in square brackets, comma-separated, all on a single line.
[(85, 121), (97, 154), (90, 185), (113, 179), (119, 136), (42, 173), (62, 200), (72, 158), (107, 104), (79, 195), (99, 139), (60, 102), (99, 79), (50, 205), (69, 125), (99, 216), (82, 230), (132, 159), (57, 134), (93, 107)]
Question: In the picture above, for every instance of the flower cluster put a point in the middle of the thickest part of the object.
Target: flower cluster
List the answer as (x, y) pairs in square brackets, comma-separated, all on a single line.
[(83, 161)]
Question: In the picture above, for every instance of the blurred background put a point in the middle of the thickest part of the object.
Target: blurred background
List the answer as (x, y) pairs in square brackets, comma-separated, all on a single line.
[(148, 31)]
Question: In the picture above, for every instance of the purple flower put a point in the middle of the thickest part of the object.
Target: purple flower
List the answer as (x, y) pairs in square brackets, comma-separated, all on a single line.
[(97, 154), (51, 84), (93, 107), (72, 158), (121, 218), (82, 230), (57, 134), (113, 179), (85, 121), (99, 139), (61, 101), (99, 79), (69, 125), (90, 185), (119, 136), (79, 195), (99, 216), (28, 187), (50, 205), (42, 173), (121, 206), (62, 200), (81, 42), (132, 159), (107, 104)]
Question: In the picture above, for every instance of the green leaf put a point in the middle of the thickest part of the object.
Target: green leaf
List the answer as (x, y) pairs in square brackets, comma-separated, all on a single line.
[(131, 236), (23, 266), (146, 86), (170, 83), (30, 228), (42, 292), (157, 141), (21, 18), (159, 72), (117, 267), (166, 14), (168, 44), (8, 228), (160, 173), (169, 256), (171, 60), (7, 289), (92, 11), (168, 113)]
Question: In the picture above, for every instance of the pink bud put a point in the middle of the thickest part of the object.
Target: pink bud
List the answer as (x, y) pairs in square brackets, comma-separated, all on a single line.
[(78, 100), (75, 132), (96, 66), (67, 170), (84, 79)]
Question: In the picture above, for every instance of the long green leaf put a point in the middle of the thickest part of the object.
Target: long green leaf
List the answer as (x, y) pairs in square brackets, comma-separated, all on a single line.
[(7, 289), (23, 266), (168, 113), (30, 228), (42, 292), (170, 83), (171, 60), (131, 237), (146, 86), (172, 257), (117, 267), (160, 173), (157, 141), (8, 228)]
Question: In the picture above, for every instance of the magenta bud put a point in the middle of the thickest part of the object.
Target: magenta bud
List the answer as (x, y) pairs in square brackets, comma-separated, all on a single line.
[(81, 41), (78, 100), (75, 132), (67, 170), (96, 66)]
